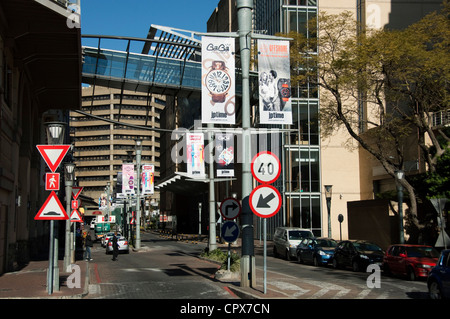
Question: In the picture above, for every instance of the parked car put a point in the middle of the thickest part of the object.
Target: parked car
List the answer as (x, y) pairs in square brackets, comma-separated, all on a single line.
[(107, 236), (414, 261), (318, 251), (439, 277), (121, 241), (357, 254), (286, 239)]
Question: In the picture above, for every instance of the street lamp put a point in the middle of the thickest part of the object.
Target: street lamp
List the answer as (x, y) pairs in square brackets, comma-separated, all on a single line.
[(399, 175), (138, 193), (55, 136), (328, 193), (68, 182)]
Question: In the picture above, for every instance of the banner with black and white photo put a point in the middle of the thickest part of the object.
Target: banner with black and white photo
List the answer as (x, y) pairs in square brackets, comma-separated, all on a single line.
[(274, 82), (224, 154), (218, 80)]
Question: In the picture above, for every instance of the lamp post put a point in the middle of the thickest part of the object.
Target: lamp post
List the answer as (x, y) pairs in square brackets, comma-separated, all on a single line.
[(328, 193), (138, 193), (68, 183), (55, 136), (399, 175), (199, 221)]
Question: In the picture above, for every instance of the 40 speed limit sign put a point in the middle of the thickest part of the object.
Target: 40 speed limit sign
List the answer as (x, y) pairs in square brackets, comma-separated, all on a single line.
[(265, 167)]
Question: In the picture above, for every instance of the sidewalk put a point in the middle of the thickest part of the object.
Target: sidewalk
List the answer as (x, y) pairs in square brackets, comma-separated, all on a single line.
[(31, 282)]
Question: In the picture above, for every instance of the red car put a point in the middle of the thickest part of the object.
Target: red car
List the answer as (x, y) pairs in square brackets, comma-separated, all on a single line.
[(414, 261)]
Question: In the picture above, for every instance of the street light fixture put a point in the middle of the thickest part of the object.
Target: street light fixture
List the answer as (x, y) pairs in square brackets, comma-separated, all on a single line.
[(328, 193), (399, 175), (55, 132), (138, 193)]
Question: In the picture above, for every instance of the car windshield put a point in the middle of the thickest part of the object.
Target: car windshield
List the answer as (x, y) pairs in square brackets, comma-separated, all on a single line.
[(326, 243), (366, 247), (298, 234), (422, 252)]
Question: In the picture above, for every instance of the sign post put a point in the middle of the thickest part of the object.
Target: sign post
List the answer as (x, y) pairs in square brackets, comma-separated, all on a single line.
[(265, 200)]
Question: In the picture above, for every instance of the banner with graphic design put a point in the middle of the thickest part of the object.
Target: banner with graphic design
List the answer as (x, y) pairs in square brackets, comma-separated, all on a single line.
[(224, 154), (148, 179), (218, 80), (195, 155), (274, 82), (128, 178)]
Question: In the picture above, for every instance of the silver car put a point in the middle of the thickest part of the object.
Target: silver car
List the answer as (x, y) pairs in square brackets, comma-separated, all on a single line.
[(286, 239), (121, 241), (107, 237)]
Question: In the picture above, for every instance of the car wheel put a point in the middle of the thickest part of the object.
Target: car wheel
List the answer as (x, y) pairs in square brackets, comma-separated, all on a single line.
[(335, 264), (316, 261), (411, 274), (434, 291), (355, 266)]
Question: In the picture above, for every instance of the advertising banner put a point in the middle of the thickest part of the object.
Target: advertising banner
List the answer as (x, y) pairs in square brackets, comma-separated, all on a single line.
[(148, 179), (195, 155), (224, 154), (218, 80), (128, 179), (274, 82)]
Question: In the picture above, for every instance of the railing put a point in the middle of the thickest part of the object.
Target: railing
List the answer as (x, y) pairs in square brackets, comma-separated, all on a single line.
[(441, 118)]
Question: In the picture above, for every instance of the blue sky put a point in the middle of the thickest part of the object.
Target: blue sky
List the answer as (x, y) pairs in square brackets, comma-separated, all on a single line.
[(134, 17)]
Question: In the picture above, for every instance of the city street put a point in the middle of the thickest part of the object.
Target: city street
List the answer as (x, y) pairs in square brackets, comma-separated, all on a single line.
[(167, 269)]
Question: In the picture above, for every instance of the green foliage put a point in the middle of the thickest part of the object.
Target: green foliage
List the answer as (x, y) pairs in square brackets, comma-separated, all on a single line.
[(438, 182), (222, 257)]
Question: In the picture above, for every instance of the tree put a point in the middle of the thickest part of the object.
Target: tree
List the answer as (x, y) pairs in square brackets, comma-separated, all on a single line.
[(383, 86)]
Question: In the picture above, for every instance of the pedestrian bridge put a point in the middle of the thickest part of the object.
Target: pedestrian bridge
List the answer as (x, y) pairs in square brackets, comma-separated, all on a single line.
[(169, 63)]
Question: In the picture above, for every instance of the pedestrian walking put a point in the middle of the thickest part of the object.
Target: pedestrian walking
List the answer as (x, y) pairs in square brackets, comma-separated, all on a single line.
[(88, 244), (115, 246)]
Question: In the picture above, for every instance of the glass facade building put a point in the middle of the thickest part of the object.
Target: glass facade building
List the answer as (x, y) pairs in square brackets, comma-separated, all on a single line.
[(301, 147)]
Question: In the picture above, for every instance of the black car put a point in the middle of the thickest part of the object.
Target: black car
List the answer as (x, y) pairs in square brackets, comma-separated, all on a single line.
[(357, 254), (439, 277)]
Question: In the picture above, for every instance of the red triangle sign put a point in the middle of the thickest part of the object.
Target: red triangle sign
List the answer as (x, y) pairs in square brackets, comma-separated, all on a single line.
[(53, 154), (76, 191), (52, 209), (75, 216)]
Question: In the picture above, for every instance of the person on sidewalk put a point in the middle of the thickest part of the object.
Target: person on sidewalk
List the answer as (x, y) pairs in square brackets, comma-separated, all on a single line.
[(88, 243), (115, 246)]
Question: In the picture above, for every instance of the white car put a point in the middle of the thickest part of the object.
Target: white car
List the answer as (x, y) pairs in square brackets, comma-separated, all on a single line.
[(107, 237), (121, 241)]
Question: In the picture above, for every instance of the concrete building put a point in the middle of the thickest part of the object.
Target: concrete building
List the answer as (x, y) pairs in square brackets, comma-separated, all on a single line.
[(40, 79), (101, 147)]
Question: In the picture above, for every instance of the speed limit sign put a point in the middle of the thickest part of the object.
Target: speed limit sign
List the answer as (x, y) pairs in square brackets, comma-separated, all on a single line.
[(266, 167)]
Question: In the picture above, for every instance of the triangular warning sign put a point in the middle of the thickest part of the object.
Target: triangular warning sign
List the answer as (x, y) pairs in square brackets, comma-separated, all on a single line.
[(52, 209), (53, 154), (76, 191), (75, 216)]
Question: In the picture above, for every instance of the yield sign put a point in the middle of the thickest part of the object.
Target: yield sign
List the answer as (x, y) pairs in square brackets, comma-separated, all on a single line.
[(52, 209), (53, 154), (76, 191)]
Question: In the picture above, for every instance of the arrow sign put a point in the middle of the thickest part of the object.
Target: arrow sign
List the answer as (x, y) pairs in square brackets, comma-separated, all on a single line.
[(265, 201), (53, 154), (230, 208), (52, 209), (230, 231)]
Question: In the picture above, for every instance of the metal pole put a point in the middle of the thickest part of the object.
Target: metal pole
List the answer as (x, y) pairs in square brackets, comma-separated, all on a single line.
[(244, 13), (138, 201), (212, 202), (50, 260), (265, 253), (67, 246), (400, 212)]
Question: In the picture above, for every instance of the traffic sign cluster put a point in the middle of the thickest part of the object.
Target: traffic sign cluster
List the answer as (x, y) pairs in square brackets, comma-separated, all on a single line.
[(265, 200)]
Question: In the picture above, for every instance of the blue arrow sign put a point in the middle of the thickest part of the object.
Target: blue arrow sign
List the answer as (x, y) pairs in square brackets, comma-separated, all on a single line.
[(230, 231)]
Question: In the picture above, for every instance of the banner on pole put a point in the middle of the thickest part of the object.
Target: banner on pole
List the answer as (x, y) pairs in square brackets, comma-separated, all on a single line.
[(274, 82), (148, 179), (195, 155), (128, 178), (218, 80), (224, 154)]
